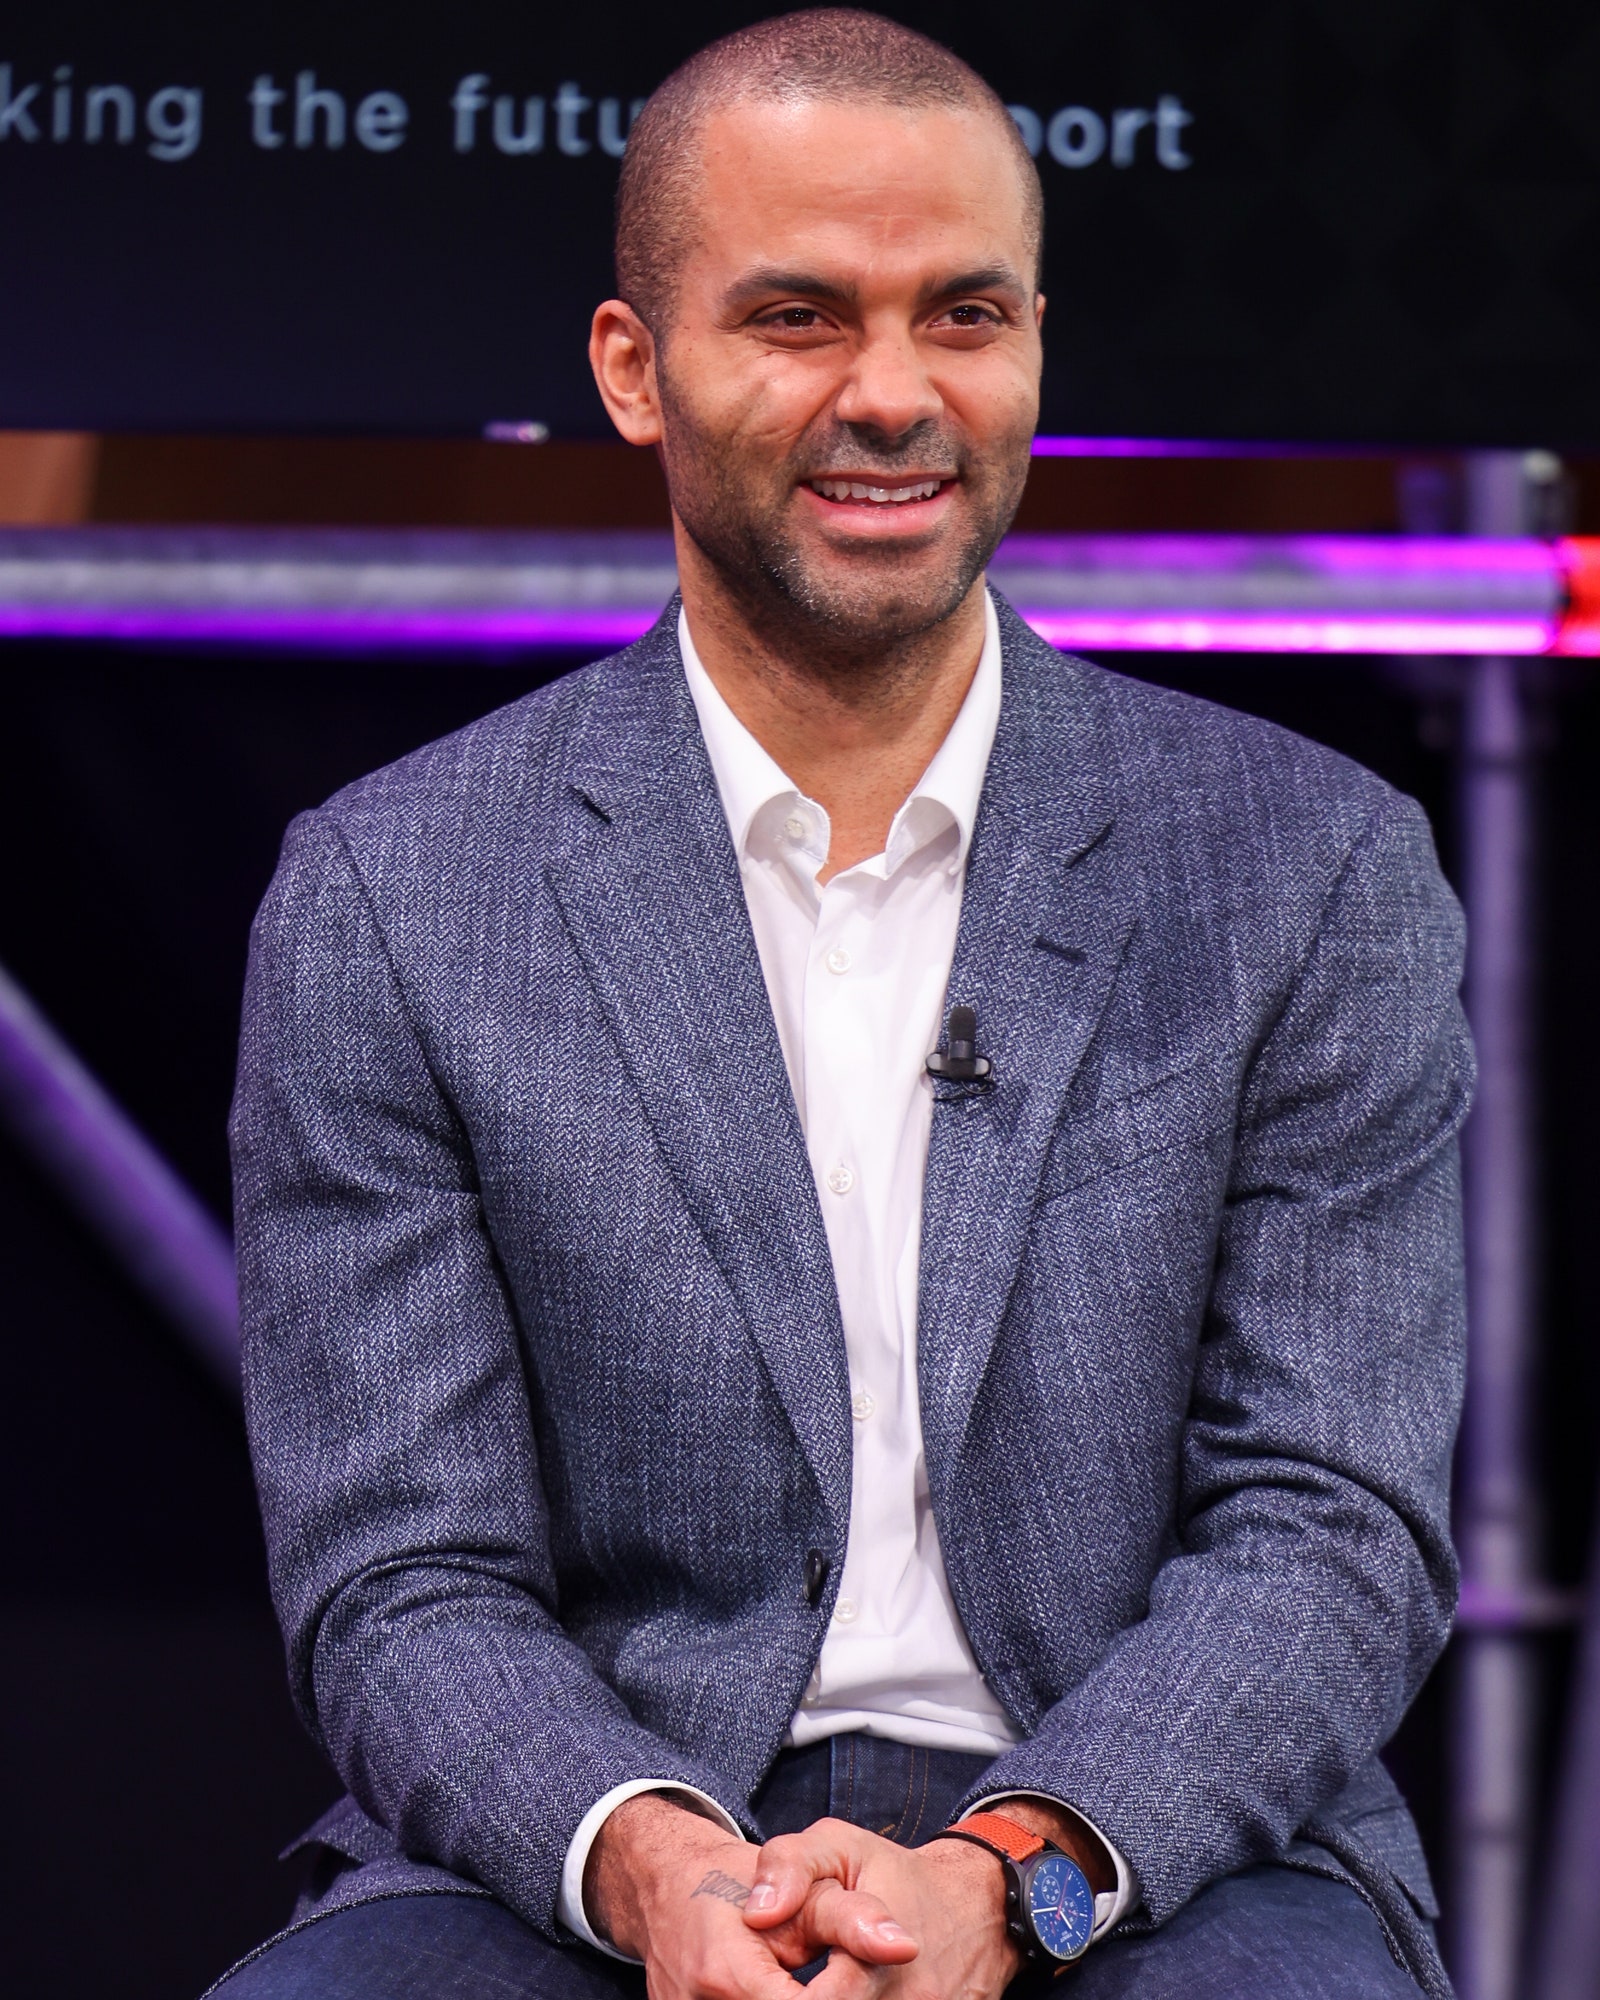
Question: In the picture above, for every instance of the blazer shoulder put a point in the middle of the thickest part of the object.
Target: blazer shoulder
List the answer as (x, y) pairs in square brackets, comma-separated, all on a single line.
[(1216, 809), (500, 775), (1247, 764), (1180, 761)]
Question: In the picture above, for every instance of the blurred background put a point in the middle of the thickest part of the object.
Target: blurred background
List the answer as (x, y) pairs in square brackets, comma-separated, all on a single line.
[(299, 468)]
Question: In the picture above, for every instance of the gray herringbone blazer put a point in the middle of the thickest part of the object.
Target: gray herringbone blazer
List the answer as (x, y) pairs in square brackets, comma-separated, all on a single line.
[(546, 1380)]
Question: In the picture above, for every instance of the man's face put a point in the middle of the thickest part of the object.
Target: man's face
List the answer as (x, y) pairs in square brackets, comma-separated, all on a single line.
[(850, 377)]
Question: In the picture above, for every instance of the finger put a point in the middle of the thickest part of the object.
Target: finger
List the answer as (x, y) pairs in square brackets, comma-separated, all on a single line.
[(856, 1922), (841, 1977), (750, 1971), (846, 1978), (794, 1945), (788, 1866)]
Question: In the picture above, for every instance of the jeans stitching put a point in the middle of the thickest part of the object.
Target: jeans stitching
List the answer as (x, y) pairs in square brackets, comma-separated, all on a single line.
[(922, 1803), (911, 1779)]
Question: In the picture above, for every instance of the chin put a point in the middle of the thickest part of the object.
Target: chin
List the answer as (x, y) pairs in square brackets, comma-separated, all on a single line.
[(883, 604), (860, 619)]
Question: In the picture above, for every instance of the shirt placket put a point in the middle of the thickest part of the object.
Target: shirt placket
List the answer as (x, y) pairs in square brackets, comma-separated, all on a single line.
[(852, 1209)]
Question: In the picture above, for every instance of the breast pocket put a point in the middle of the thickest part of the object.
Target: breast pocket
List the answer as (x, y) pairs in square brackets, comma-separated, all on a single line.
[(1192, 1105)]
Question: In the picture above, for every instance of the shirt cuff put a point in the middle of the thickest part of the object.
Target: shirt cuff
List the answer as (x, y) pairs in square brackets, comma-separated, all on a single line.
[(569, 1903), (1111, 1905)]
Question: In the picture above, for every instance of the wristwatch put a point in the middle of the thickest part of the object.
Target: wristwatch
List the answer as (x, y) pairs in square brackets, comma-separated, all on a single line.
[(1049, 1903)]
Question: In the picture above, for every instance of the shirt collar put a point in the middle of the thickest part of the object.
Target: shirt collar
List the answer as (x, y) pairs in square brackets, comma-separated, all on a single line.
[(750, 780)]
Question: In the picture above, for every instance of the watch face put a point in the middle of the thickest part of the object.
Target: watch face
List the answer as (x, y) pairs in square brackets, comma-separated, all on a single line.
[(1061, 1905)]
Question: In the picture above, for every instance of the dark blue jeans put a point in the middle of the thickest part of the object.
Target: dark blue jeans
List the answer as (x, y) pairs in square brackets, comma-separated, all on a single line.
[(1266, 1934)]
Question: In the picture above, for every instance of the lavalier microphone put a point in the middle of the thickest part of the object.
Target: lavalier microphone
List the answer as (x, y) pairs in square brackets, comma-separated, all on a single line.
[(959, 1061)]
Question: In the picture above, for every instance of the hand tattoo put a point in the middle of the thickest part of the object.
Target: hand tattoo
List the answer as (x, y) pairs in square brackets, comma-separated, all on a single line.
[(726, 1888)]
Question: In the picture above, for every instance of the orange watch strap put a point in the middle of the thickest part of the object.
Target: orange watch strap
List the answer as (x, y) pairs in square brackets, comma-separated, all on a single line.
[(995, 1830)]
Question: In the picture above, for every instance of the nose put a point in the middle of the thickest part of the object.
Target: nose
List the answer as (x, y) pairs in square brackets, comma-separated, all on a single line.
[(888, 390)]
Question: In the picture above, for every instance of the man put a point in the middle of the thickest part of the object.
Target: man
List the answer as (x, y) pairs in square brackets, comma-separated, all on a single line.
[(847, 1225)]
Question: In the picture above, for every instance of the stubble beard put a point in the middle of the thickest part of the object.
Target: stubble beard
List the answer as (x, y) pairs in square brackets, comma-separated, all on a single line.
[(866, 618)]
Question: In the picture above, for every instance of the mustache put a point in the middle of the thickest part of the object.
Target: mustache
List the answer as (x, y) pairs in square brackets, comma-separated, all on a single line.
[(926, 449)]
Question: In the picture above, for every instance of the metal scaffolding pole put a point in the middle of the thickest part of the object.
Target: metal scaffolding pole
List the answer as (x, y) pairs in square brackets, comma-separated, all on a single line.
[(1567, 1954), (1496, 1692)]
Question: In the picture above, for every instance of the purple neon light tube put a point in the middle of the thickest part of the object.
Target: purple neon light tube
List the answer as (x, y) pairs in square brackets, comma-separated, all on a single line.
[(334, 631), (1136, 447), (1291, 594), (503, 593), (603, 631), (1244, 632), (1432, 565)]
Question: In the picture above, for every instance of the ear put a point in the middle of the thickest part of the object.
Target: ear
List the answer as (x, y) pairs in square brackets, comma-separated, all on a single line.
[(622, 354)]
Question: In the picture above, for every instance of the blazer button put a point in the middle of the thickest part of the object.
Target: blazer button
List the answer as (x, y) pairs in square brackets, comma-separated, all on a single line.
[(816, 1574)]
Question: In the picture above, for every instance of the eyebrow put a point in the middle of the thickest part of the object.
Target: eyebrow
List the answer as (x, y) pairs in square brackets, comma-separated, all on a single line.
[(991, 278), (770, 281)]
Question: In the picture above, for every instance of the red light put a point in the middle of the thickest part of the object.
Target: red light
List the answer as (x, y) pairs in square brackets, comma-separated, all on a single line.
[(1578, 635)]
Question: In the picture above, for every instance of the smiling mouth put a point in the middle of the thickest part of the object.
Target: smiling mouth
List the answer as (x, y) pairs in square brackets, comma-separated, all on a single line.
[(877, 496)]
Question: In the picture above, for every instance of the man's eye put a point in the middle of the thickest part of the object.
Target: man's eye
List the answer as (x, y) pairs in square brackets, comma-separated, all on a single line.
[(796, 319), (971, 316)]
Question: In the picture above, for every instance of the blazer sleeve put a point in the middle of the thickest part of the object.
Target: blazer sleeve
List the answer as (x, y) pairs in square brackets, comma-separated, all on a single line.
[(1312, 1578), (389, 1418)]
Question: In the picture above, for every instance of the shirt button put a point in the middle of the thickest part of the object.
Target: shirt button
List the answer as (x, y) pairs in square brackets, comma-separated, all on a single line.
[(862, 1405), (795, 827), (841, 1180), (838, 960), (844, 1612)]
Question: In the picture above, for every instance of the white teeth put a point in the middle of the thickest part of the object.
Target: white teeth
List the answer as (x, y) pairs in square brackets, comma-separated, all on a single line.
[(882, 496)]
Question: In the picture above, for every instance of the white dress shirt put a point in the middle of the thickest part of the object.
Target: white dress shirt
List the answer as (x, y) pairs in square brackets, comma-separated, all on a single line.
[(856, 971)]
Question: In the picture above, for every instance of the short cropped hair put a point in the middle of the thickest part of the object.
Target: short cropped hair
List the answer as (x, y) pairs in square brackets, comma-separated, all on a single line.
[(823, 55)]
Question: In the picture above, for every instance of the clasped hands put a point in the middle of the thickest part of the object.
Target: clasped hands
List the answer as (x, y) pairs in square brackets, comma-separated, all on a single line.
[(715, 1918)]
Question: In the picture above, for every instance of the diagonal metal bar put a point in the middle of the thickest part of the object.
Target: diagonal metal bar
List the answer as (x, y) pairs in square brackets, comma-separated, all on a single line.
[(155, 1227)]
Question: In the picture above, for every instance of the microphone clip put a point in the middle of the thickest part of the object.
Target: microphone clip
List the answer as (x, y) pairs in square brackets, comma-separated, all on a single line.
[(959, 1061)]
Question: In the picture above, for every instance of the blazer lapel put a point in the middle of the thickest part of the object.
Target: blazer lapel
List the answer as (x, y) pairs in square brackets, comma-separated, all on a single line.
[(1045, 921), (653, 901)]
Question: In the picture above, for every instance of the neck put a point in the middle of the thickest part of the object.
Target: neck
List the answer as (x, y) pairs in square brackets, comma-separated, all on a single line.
[(853, 727)]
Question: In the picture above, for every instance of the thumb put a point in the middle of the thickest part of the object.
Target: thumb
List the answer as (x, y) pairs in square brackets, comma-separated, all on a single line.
[(789, 1866), (856, 1922)]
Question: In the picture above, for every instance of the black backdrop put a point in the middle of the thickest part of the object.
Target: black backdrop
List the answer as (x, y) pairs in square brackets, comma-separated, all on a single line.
[(1384, 232), (153, 1766)]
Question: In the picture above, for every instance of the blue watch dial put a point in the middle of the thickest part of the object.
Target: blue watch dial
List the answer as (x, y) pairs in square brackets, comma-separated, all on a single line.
[(1060, 1905)]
